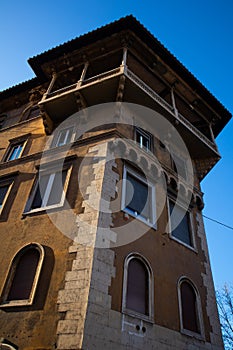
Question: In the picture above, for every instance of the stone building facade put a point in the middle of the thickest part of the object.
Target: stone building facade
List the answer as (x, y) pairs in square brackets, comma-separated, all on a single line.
[(103, 242)]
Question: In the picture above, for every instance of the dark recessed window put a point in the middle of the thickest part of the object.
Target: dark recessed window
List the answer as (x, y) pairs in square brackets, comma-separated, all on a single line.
[(143, 139), (180, 223), (138, 196), (23, 276), (179, 166), (15, 150), (137, 296), (190, 319), (5, 187)]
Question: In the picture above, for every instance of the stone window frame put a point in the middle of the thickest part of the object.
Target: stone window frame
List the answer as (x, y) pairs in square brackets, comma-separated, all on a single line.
[(143, 134), (22, 140), (151, 221), (6, 182), (193, 247), (200, 335), (125, 310), (11, 273), (4, 345), (48, 170)]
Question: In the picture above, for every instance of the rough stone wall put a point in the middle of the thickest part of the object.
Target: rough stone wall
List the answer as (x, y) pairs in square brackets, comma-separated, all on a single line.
[(89, 322), (212, 312), (73, 299), (106, 328)]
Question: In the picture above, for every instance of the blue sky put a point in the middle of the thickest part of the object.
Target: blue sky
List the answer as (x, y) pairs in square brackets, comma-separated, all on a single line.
[(199, 33)]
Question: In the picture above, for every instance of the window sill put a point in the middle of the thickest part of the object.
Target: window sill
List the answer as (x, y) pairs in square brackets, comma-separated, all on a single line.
[(140, 218), (42, 209), (16, 303), (192, 334), (139, 316), (194, 249)]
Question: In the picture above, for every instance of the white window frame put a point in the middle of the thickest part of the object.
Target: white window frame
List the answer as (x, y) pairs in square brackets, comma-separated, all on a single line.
[(4, 183), (146, 135), (125, 310), (183, 330), (11, 148), (151, 186), (68, 130), (10, 276), (191, 225), (51, 172)]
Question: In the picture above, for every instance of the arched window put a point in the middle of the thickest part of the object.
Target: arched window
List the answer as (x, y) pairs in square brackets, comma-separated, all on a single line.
[(137, 289), (5, 346), (23, 276), (190, 308)]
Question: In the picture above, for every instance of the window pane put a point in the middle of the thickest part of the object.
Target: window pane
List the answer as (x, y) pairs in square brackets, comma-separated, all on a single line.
[(180, 230), (189, 309), (137, 193), (137, 287), (24, 276), (41, 188), (3, 192), (143, 140), (15, 152), (57, 188), (64, 137)]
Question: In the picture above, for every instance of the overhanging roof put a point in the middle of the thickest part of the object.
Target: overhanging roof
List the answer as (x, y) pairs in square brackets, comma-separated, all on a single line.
[(127, 23)]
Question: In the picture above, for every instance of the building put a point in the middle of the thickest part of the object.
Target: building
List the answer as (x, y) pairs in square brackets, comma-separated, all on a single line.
[(102, 155)]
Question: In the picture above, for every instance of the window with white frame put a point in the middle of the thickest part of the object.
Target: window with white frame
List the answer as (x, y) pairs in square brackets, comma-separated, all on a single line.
[(138, 196), (143, 139), (23, 276), (64, 137), (190, 308), (5, 187), (181, 226), (49, 190), (138, 298), (15, 150)]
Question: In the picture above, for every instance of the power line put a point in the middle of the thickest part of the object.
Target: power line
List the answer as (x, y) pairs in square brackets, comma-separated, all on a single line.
[(218, 222)]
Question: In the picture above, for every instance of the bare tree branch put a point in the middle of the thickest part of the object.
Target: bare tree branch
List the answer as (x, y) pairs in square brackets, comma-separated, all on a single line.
[(225, 307)]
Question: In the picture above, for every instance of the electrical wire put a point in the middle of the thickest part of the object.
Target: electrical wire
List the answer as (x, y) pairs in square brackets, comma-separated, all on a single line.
[(218, 222)]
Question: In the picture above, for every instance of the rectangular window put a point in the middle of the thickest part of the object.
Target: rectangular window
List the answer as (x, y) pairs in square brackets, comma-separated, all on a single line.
[(179, 166), (49, 191), (15, 149), (180, 224), (5, 188), (64, 137), (143, 139), (138, 196)]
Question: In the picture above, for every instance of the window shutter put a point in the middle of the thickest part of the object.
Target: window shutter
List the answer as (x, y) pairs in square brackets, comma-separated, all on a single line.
[(23, 279), (189, 308), (137, 287)]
